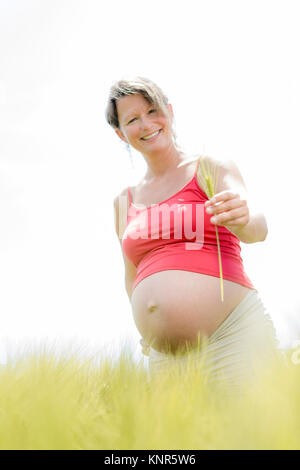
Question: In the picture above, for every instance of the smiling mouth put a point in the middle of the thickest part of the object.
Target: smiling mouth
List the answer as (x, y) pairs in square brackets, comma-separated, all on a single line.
[(151, 136)]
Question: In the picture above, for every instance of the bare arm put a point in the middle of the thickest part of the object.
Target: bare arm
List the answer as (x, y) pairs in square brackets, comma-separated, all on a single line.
[(120, 212), (253, 227)]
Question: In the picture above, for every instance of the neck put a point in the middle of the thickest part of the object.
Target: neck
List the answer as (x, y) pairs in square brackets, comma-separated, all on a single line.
[(159, 164)]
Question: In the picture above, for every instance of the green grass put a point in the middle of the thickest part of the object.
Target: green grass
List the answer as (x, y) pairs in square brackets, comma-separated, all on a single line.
[(59, 401)]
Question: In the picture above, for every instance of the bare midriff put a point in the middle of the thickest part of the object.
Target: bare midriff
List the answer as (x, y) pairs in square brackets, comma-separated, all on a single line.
[(172, 308)]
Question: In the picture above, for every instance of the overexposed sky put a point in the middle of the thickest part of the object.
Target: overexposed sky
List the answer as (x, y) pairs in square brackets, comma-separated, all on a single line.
[(230, 70)]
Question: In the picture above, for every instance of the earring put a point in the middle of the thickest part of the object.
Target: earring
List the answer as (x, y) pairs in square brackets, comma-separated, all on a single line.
[(130, 154)]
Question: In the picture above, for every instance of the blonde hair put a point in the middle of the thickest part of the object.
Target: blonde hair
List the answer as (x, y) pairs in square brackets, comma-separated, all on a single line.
[(137, 85)]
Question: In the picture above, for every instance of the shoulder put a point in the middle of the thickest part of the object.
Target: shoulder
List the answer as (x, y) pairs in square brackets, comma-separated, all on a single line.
[(213, 166), (226, 174), (218, 167), (210, 162), (119, 197), (122, 202), (123, 197), (121, 205), (214, 161)]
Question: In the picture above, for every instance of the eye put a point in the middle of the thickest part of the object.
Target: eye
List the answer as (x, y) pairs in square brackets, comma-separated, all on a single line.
[(131, 120), (150, 111)]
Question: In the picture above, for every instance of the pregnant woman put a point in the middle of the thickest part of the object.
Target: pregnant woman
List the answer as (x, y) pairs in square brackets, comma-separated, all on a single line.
[(166, 228)]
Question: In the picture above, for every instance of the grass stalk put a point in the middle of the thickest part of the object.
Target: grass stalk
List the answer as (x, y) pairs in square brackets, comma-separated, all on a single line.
[(58, 400), (210, 183)]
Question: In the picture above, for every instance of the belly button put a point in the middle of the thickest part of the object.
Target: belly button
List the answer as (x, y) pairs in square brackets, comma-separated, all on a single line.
[(151, 307)]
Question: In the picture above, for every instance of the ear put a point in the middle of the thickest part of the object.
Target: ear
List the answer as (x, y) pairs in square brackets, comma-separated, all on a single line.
[(171, 114), (121, 135)]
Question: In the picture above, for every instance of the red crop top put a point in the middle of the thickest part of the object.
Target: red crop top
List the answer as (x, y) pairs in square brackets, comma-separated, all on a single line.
[(177, 234)]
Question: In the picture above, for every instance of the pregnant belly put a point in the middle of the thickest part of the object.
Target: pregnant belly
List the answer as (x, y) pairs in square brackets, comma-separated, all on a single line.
[(171, 308)]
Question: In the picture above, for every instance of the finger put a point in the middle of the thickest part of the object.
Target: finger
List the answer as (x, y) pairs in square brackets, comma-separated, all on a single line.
[(227, 217), (240, 222), (223, 196), (224, 206), (208, 203)]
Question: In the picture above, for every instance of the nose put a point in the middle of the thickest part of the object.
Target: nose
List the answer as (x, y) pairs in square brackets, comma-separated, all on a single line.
[(146, 123)]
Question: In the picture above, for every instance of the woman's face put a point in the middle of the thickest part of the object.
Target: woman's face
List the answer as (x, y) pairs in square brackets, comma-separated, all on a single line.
[(138, 120)]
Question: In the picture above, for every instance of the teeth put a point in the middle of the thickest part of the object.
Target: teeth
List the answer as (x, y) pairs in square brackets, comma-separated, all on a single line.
[(149, 136)]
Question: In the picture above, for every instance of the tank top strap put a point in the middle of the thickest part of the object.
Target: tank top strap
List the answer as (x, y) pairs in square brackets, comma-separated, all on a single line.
[(197, 166), (129, 195)]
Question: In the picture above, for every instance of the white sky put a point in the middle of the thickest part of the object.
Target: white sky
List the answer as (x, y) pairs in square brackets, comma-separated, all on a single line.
[(231, 71)]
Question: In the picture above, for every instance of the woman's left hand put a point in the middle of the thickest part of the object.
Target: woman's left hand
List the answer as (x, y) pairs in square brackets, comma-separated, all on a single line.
[(228, 210)]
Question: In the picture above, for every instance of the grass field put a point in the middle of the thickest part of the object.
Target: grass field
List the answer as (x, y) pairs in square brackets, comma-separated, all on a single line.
[(59, 401)]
